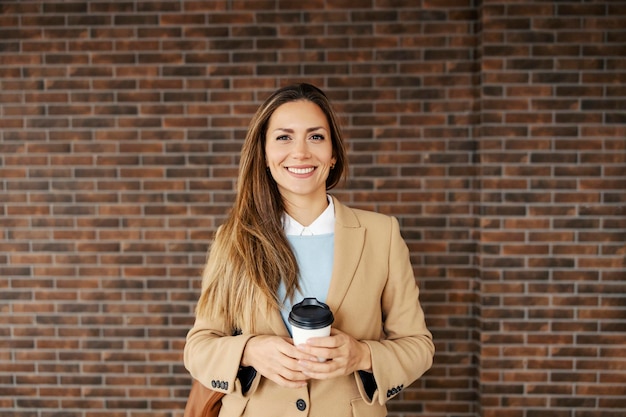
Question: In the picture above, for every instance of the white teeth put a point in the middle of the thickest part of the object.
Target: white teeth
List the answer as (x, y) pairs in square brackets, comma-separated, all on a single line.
[(300, 170)]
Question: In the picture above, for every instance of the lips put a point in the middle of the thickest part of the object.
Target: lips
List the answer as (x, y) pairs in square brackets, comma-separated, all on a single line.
[(300, 171)]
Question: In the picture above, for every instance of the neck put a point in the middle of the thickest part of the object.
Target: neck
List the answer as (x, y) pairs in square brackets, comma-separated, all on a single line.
[(305, 211)]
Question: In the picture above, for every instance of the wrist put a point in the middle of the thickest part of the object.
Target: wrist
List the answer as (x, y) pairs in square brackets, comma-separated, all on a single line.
[(365, 364), (245, 357)]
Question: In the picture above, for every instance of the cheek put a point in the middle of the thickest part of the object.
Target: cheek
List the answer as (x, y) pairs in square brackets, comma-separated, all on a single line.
[(272, 157)]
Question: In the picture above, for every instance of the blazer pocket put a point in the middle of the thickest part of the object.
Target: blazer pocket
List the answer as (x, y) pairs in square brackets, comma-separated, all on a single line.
[(361, 409), (234, 405)]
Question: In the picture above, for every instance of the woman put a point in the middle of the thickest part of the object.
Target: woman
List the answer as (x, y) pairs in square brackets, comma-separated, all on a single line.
[(286, 239)]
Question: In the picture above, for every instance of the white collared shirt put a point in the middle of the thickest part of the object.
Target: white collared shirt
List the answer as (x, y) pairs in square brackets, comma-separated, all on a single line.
[(323, 225)]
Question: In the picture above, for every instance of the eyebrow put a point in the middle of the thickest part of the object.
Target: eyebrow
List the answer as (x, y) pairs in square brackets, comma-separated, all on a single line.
[(310, 129)]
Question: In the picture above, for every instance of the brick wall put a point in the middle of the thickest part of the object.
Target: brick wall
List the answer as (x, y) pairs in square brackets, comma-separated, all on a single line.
[(551, 151), (495, 131)]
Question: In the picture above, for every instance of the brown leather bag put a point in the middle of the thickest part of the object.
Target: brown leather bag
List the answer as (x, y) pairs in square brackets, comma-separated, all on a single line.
[(202, 401)]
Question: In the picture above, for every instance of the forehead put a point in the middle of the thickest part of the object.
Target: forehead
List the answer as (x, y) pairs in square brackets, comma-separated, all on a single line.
[(301, 113)]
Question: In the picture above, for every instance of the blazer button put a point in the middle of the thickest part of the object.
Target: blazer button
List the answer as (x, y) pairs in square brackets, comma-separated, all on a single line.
[(301, 404), (214, 383)]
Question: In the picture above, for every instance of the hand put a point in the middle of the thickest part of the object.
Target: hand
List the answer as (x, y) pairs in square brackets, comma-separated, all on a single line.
[(343, 353), (276, 359)]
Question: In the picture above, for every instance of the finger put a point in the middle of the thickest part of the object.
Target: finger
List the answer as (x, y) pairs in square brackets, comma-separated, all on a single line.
[(287, 376), (327, 341), (316, 368), (289, 383), (306, 352), (317, 354), (293, 376), (327, 373)]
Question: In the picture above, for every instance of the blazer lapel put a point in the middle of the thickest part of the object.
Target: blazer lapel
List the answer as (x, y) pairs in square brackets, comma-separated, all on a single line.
[(349, 241), (275, 322)]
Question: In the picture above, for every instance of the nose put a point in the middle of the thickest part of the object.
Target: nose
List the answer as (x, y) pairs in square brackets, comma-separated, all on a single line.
[(301, 149)]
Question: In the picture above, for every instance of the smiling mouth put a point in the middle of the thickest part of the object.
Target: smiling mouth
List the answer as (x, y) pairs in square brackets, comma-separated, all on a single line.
[(300, 170)]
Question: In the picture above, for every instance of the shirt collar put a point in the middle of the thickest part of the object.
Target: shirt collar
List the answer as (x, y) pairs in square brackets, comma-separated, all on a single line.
[(324, 224)]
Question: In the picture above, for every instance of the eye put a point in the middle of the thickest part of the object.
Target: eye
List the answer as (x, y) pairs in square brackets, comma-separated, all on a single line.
[(282, 137), (317, 137)]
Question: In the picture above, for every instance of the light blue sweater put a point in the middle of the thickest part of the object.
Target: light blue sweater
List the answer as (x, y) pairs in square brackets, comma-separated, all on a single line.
[(315, 260)]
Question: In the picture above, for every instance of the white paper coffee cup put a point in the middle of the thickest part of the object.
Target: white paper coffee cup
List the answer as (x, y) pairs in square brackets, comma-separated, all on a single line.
[(310, 318), (300, 335)]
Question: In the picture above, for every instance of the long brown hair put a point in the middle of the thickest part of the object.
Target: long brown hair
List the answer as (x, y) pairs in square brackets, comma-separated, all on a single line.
[(250, 255)]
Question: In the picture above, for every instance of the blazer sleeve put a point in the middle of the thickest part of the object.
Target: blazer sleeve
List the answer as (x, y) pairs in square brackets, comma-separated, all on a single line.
[(405, 350), (213, 357)]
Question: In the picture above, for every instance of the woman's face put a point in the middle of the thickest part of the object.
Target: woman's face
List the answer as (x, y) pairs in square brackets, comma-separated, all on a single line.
[(298, 150)]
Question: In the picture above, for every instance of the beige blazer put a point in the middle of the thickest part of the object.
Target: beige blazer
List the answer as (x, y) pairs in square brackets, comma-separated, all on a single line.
[(374, 298)]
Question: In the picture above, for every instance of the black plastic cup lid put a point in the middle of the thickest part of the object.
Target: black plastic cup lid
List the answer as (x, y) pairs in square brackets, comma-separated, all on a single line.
[(311, 314)]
